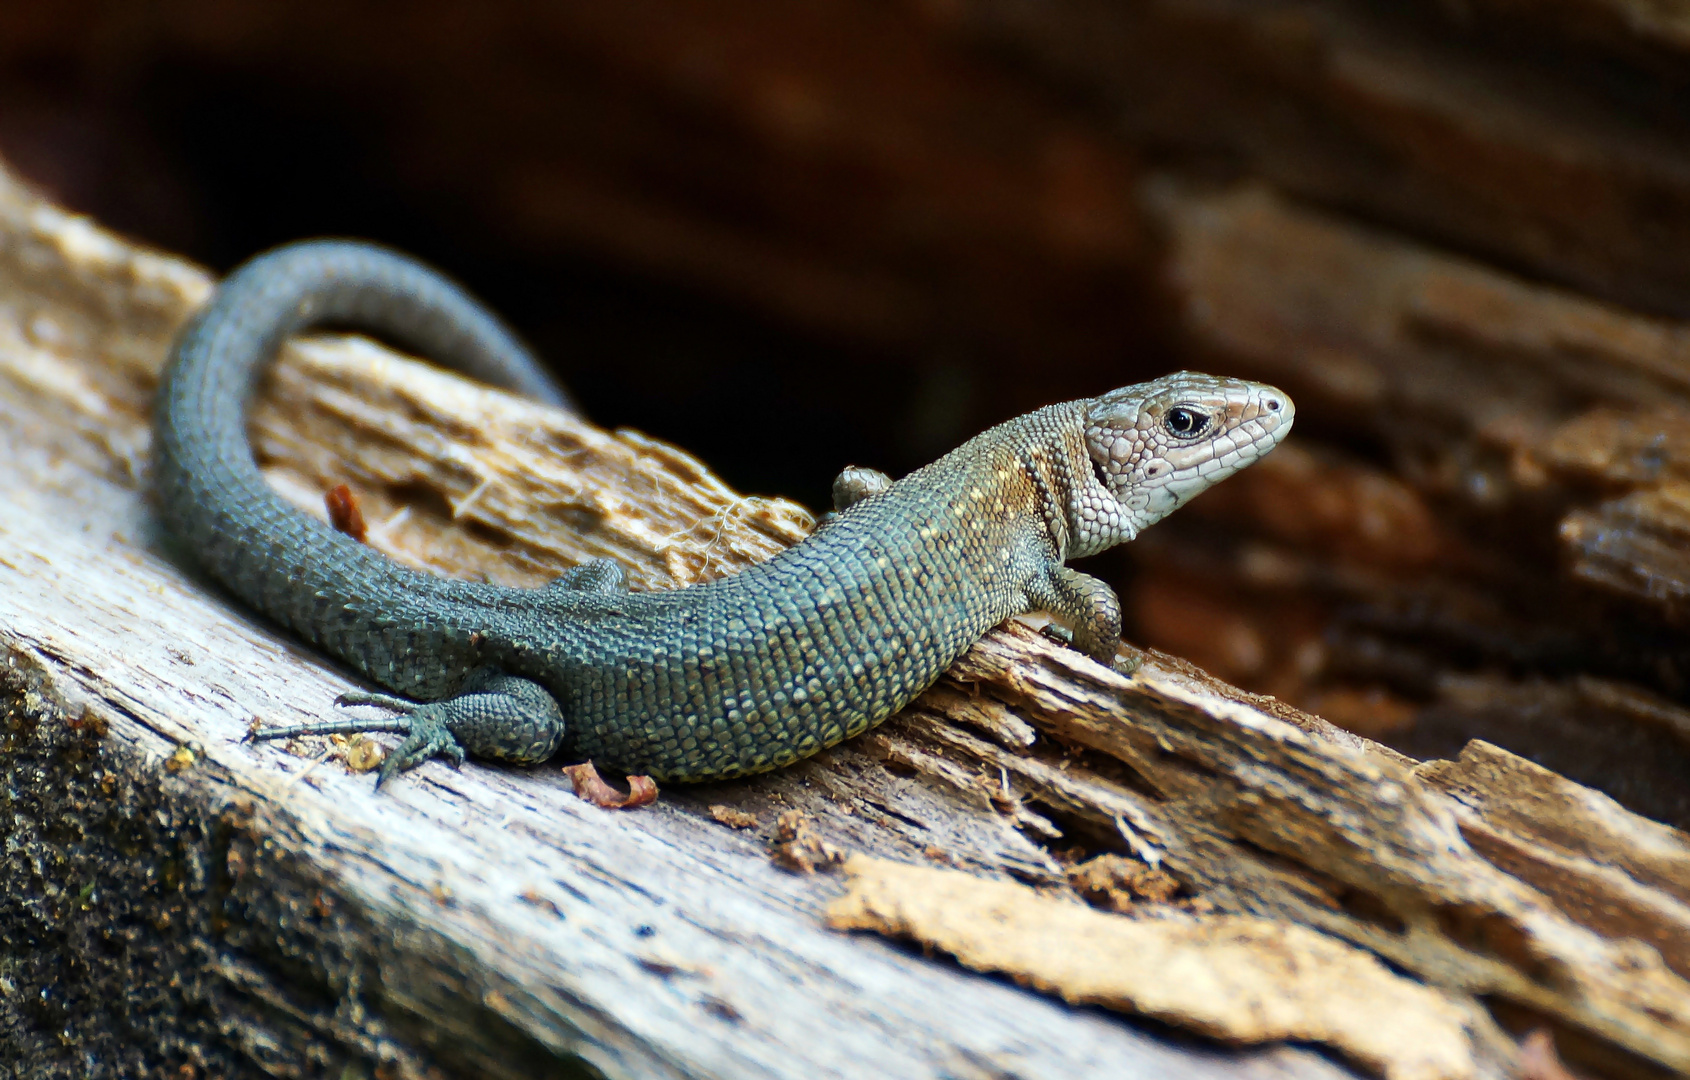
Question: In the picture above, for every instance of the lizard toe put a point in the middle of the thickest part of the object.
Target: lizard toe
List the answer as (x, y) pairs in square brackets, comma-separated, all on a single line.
[(428, 738), (383, 701)]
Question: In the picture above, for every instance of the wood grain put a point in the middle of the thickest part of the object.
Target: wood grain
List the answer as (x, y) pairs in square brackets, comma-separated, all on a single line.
[(257, 908)]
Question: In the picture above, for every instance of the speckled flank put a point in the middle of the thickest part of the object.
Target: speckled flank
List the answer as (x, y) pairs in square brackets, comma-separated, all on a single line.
[(732, 677)]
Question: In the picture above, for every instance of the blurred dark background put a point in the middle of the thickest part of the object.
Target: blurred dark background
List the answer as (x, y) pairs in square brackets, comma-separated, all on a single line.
[(791, 235), (785, 237)]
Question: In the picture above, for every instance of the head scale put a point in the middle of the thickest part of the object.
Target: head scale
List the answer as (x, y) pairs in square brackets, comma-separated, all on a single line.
[(1155, 445)]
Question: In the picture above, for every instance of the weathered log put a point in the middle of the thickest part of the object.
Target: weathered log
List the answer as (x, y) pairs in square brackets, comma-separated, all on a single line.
[(1550, 138), (1479, 515), (1483, 538), (175, 898), (174, 895)]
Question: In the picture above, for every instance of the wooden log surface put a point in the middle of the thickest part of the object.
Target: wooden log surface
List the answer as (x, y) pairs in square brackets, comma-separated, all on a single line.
[(1463, 236), (174, 894), (1484, 518)]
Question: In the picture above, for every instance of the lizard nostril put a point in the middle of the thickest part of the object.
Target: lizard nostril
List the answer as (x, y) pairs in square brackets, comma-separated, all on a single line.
[(1273, 404)]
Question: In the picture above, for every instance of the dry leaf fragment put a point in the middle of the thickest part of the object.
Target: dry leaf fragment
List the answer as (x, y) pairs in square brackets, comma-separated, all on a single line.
[(642, 790), (1236, 978), (1116, 883), (344, 512), (799, 847), (363, 754), (733, 819)]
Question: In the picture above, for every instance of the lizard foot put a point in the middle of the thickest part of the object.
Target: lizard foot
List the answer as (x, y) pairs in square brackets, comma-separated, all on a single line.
[(385, 701), (426, 728), (1121, 665), (1091, 608), (429, 737), (496, 716), (1058, 633)]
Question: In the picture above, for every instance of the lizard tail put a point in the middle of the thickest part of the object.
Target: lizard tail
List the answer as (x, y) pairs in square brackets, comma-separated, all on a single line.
[(211, 494)]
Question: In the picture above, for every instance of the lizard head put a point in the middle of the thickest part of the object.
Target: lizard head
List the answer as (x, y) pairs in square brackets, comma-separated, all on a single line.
[(1155, 445)]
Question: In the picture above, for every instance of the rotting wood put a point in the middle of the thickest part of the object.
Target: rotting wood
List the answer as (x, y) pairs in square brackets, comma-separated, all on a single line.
[(176, 898), (1550, 137), (1230, 976), (1490, 527), (679, 950)]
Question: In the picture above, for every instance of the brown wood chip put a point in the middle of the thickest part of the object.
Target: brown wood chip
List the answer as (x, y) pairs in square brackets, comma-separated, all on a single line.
[(733, 819), (1236, 978)]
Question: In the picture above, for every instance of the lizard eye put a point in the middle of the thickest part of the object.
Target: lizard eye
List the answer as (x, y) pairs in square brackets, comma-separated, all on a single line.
[(1185, 422)]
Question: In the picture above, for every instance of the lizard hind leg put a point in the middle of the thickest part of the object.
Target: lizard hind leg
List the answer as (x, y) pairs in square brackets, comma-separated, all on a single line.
[(496, 716)]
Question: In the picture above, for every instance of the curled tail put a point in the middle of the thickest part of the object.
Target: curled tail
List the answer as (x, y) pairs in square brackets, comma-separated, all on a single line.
[(211, 494)]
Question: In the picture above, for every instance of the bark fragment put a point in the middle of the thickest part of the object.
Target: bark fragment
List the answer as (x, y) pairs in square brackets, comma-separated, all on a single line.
[(1235, 978)]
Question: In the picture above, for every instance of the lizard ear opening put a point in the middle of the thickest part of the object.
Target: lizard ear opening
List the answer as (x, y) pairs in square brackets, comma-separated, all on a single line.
[(1099, 471)]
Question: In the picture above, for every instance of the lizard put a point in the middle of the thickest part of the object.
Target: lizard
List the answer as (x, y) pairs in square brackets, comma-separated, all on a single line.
[(711, 681)]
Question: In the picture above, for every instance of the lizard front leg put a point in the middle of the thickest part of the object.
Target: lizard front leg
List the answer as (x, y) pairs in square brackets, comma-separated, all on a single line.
[(1089, 605), (855, 483)]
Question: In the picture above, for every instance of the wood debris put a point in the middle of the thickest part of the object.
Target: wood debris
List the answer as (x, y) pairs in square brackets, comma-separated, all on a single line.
[(798, 847), (1235, 978), (733, 819), (1119, 884), (590, 786)]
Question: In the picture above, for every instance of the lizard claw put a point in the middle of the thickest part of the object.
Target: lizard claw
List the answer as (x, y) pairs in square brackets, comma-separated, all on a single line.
[(1058, 633), (428, 738)]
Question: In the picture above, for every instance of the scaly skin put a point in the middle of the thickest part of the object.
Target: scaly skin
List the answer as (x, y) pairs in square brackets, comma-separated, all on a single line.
[(732, 677)]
